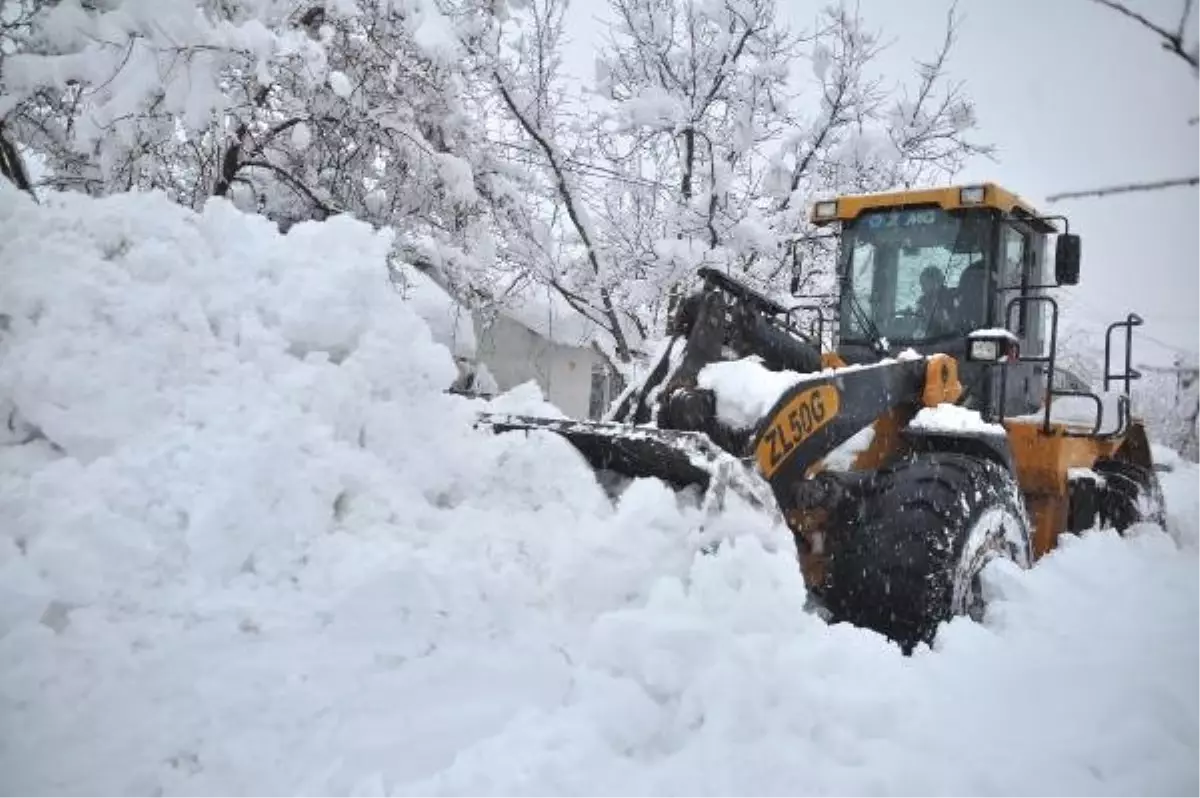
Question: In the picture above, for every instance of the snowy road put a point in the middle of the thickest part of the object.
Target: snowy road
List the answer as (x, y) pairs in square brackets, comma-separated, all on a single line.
[(248, 566)]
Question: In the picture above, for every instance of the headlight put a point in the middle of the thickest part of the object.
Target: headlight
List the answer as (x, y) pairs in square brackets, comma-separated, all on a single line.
[(972, 195), (993, 346), (984, 350), (825, 210)]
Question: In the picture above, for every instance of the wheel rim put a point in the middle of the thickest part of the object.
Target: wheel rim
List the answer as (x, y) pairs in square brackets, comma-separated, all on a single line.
[(997, 532), (975, 604)]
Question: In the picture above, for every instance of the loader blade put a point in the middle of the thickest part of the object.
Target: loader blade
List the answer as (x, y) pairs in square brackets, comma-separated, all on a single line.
[(680, 459), (687, 461)]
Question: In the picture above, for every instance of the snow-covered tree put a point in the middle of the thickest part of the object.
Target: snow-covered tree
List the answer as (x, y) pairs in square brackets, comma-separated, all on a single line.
[(566, 251), (709, 131), (698, 93), (122, 95), (297, 110), (1169, 399)]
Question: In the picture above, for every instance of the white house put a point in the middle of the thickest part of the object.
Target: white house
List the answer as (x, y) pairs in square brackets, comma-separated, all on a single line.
[(574, 375), (536, 335), (533, 336)]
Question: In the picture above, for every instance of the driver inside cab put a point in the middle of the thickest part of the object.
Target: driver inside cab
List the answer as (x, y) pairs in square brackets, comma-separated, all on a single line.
[(935, 306)]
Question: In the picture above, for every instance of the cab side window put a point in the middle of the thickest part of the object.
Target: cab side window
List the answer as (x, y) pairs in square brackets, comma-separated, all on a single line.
[(1016, 247), (1015, 264)]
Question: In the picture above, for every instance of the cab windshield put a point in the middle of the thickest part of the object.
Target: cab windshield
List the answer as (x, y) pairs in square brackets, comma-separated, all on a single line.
[(915, 275)]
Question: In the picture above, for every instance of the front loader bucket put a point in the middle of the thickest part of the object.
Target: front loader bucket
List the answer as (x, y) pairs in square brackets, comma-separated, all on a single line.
[(680, 459)]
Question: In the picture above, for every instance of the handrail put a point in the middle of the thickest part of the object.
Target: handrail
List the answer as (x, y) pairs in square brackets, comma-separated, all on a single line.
[(1123, 401), (1130, 373), (1049, 360)]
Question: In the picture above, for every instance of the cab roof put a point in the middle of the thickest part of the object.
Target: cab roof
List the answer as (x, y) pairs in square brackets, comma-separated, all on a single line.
[(948, 198)]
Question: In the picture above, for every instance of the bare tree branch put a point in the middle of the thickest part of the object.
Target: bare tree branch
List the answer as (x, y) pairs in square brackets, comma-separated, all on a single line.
[(294, 183), (573, 211), (1126, 189), (12, 165), (1172, 42)]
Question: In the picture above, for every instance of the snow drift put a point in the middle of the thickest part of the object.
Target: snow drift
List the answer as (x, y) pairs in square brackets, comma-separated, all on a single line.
[(250, 545)]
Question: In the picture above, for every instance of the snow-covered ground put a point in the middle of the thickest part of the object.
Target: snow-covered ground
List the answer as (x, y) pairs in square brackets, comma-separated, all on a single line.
[(249, 545)]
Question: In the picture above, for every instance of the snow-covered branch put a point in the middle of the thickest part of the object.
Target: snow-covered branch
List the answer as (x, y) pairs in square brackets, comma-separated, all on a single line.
[(1173, 41), (447, 121), (569, 197), (1127, 188)]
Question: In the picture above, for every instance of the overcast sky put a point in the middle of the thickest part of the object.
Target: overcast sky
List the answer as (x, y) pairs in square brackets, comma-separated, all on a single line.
[(1073, 96)]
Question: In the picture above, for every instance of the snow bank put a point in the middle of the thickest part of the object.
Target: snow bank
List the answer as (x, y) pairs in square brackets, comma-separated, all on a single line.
[(240, 505), (725, 687), (1179, 479), (251, 546)]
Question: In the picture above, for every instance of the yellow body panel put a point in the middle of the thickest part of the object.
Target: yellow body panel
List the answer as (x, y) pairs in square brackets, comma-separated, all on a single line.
[(884, 442), (948, 198), (1042, 461), (795, 423), (832, 360)]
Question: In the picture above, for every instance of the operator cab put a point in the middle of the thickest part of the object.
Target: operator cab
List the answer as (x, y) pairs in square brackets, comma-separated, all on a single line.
[(924, 269), (913, 276)]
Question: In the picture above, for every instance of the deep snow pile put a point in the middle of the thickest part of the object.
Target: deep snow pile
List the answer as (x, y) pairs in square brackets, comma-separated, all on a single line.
[(251, 546)]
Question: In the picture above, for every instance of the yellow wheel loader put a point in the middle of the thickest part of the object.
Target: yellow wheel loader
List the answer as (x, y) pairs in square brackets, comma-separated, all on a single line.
[(928, 427)]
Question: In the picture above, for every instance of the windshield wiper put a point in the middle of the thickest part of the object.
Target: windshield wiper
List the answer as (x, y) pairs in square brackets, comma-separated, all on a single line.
[(878, 343)]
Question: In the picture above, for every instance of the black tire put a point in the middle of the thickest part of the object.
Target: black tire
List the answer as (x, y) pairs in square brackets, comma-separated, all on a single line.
[(1131, 494), (928, 526)]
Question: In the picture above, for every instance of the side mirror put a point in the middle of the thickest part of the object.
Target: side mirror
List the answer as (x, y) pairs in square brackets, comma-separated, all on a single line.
[(1066, 259)]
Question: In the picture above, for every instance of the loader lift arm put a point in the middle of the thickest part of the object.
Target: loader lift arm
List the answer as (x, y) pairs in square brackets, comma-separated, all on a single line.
[(667, 427)]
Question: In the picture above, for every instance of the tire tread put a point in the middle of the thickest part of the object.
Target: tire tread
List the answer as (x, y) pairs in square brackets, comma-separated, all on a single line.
[(894, 572)]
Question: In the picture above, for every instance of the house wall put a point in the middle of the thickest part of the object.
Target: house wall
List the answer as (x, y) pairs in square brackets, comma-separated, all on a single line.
[(515, 354)]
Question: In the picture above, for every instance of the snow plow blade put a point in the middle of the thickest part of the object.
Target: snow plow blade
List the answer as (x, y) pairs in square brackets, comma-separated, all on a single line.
[(680, 459)]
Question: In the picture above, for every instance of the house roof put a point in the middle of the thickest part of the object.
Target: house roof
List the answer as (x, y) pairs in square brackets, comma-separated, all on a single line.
[(544, 311)]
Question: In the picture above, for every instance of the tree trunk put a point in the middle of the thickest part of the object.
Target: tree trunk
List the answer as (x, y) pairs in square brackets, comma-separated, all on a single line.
[(12, 165)]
